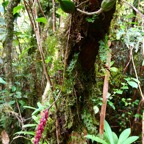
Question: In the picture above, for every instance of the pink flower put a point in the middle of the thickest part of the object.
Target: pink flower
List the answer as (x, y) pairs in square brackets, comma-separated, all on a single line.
[(40, 127)]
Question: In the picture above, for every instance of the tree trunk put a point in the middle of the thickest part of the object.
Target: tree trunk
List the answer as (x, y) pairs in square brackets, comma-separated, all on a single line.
[(7, 45), (77, 117)]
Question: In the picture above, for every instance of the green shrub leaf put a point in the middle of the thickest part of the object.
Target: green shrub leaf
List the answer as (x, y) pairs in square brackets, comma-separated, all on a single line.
[(133, 84), (42, 19), (130, 140), (115, 138), (124, 135), (108, 132), (2, 81), (96, 139)]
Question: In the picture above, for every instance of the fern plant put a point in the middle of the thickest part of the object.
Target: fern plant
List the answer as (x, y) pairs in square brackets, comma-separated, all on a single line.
[(111, 138)]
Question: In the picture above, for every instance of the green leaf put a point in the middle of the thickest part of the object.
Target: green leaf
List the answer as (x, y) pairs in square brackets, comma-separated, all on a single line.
[(18, 94), (108, 131), (113, 69), (124, 87), (133, 84), (42, 19), (124, 135), (67, 6), (26, 133), (13, 88), (29, 125), (131, 140), (118, 91), (2, 81), (11, 102), (115, 138), (111, 63), (96, 139), (136, 80), (111, 104), (29, 107), (17, 9)]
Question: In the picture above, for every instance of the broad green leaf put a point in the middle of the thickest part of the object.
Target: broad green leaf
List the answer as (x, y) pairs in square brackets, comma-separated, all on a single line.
[(42, 19), (130, 140), (96, 139), (115, 137), (124, 87), (26, 133), (133, 84), (13, 88), (124, 135), (11, 102), (136, 80), (111, 63), (113, 69), (111, 104), (2, 81), (17, 9), (118, 91), (108, 132)]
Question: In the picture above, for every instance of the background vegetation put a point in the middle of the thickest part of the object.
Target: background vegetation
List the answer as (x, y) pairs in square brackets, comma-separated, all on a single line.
[(71, 72)]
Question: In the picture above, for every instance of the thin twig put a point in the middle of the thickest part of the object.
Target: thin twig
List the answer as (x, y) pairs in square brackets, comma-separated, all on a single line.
[(40, 8), (31, 20), (54, 101), (20, 115)]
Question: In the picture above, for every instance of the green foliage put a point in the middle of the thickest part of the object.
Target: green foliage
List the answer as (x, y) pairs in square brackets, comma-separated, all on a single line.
[(111, 138), (29, 129), (17, 9), (103, 49), (91, 19), (2, 81), (42, 20), (89, 121)]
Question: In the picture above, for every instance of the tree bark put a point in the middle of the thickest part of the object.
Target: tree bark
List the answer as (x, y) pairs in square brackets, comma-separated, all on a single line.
[(7, 45), (83, 40)]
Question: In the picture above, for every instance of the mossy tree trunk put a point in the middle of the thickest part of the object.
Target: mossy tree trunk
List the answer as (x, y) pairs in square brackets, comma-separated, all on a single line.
[(8, 43), (77, 116)]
